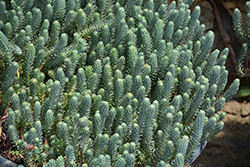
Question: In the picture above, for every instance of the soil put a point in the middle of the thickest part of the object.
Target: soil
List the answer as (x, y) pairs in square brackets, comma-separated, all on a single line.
[(231, 147)]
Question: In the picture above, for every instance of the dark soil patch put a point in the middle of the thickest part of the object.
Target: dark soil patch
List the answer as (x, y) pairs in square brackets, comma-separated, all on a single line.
[(6, 147), (231, 147)]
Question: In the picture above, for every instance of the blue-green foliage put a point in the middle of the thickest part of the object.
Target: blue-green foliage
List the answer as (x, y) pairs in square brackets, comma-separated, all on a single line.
[(244, 35), (110, 82)]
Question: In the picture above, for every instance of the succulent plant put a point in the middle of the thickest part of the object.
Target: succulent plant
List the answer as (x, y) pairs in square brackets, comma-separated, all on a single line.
[(110, 82), (244, 35)]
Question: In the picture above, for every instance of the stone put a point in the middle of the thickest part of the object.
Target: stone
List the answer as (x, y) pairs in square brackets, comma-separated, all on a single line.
[(232, 107), (245, 109)]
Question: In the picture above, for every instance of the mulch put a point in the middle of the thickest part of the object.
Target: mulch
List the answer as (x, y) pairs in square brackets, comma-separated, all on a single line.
[(5, 144)]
